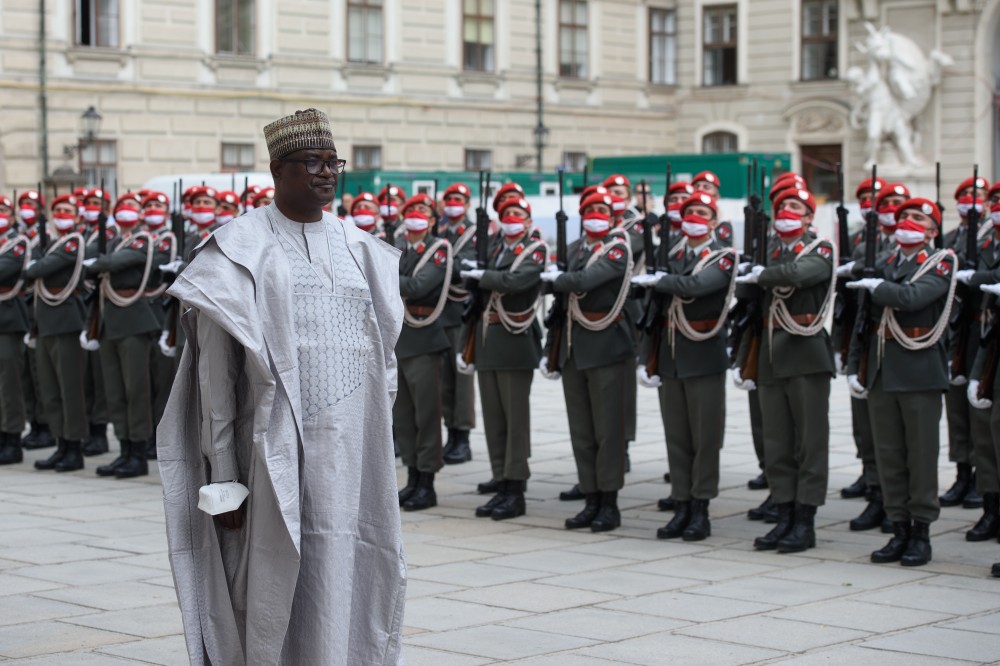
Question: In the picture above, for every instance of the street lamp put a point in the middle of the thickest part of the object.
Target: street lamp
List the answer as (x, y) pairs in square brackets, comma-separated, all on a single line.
[(90, 127)]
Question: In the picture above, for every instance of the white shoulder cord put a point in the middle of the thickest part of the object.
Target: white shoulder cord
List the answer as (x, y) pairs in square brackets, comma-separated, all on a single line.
[(412, 321), (785, 319), (9, 246), (54, 299), (156, 293), (108, 292), (916, 343), (576, 313), (455, 292), (676, 319), (509, 319)]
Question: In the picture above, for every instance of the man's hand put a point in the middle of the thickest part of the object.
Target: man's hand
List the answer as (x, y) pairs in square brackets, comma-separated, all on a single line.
[(645, 379), (472, 274), (846, 269), (463, 367), (752, 276), (233, 520), (469, 263), (551, 273), (965, 275), (990, 288), (543, 366), (973, 394), (855, 388), (87, 344), (647, 279), (172, 267), (871, 284), (740, 383)]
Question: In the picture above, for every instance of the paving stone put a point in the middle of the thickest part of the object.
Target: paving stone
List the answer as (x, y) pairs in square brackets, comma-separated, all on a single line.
[(987, 624), (17, 584), (87, 573), (684, 606), (431, 554), (852, 575), (699, 568), (559, 561), (774, 633), (147, 621), (855, 614), (113, 596), (473, 574), (58, 553), (596, 623), (771, 590), (532, 597), (79, 658), (862, 656), (443, 614), (934, 598), (21, 608), (658, 649), (417, 656), (620, 582), (38, 638), (166, 651), (500, 642), (416, 589), (940, 642)]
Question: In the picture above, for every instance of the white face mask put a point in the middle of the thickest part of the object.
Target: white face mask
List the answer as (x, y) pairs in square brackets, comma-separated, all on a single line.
[(63, 223), (787, 226), (865, 212), (416, 224), (224, 219), (364, 221), (127, 216), (694, 229), (595, 226), (454, 211), (964, 208), (154, 220), (28, 214), (388, 211), (203, 218), (887, 219), (674, 215), (908, 237), (995, 216), (510, 229), (618, 206)]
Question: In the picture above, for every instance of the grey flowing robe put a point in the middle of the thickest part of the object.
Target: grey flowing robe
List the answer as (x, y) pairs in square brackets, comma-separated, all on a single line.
[(236, 588)]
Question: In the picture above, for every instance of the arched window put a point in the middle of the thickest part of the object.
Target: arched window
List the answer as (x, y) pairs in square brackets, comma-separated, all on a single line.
[(719, 142)]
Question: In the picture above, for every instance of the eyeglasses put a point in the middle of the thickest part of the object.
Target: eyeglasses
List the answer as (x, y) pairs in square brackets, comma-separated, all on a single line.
[(315, 167)]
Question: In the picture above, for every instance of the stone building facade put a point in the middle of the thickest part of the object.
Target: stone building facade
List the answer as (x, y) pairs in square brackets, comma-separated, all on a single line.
[(186, 85)]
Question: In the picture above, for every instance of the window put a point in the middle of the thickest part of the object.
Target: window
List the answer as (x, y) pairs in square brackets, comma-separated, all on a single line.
[(97, 23), (364, 31), (819, 168), (237, 157), (366, 158), (819, 40), (99, 164), (574, 162), (478, 160), (662, 46), (477, 35), (719, 41), (719, 142), (234, 27), (573, 39)]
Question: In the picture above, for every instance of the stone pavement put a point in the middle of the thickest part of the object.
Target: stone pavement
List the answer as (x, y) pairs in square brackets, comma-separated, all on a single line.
[(84, 576)]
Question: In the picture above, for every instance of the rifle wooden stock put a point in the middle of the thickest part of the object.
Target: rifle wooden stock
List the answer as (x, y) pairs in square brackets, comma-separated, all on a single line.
[(469, 346), (653, 357), (552, 359), (173, 321), (985, 391), (94, 324), (751, 365)]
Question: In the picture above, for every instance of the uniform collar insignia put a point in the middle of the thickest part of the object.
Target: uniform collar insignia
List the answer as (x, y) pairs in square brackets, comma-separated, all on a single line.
[(921, 257)]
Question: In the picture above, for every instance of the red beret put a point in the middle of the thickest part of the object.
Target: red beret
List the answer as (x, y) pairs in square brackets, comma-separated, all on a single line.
[(5, 201), (805, 196), (80, 192), (389, 192), (596, 198), (994, 190), (982, 183), (866, 186), (156, 196), (64, 198), (127, 197), (228, 196), (680, 187), (708, 177), (519, 203), (785, 181), (700, 199), (617, 179), (265, 193), (457, 188), (424, 199), (364, 197), (31, 195), (592, 189), (891, 190), (202, 191), (98, 193), (926, 206), (505, 189)]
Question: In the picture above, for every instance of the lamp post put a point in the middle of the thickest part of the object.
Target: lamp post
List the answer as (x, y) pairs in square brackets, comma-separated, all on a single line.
[(90, 127)]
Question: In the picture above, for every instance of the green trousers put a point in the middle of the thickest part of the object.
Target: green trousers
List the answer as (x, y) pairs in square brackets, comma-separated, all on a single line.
[(60, 385), (960, 448), (864, 440), (93, 380), (596, 405), (458, 391), (694, 419), (994, 413), (505, 396), (162, 369), (987, 472), (756, 427), (416, 414), (797, 438), (29, 384), (125, 365), (906, 451), (631, 404), (12, 360)]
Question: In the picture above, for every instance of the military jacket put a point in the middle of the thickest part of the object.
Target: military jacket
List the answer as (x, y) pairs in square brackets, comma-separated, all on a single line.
[(56, 271), (420, 293), (164, 247), (457, 296), (13, 312), (125, 268)]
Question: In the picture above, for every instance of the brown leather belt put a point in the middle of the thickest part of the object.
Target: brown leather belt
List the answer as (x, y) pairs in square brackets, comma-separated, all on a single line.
[(701, 326), (597, 316), (420, 310), (126, 293), (800, 319), (6, 290), (913, 332), (494, 318)]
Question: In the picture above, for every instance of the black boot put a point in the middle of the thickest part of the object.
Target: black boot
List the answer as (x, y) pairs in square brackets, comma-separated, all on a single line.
[(988, 526), (39, 437), (97, 442), (512, 505), (150, 451), (572, 494), (585, 517), (666, 477), (666, 504), (109, 469), (424, 496), (918, 550), (857, 489), (874, 513), (759, 482), (803, 533), (395, 445), (135, 464), (781, 529), (767, 512), (406, 492), (72, 460), (677, 524), (973, 500), (699, 528), (53, 460), (10, 448), (490, 487), (960, 488), (608, 517), (462, 451), (995, 570), (628, 460), (886, 525), (486, 510), (449, 444), (893, 551)]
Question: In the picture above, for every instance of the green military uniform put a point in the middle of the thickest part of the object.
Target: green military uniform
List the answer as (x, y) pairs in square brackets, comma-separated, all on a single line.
[(40, 436), (416, 414), (162, 368), (14, 324), (93, 374), (458, 391), (633, 235)]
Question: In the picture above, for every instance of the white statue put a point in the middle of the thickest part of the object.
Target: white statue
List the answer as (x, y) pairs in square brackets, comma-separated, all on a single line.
[(892, 91)]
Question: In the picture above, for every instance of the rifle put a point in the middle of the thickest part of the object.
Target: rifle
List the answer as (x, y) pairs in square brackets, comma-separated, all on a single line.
[(864, 321), (939, 239), (439, 231), (43, 245), (652, 319), (968, 304), (555, 320), (173, 323), (748, 319), (846, 306), (94, 324), (474, 310)]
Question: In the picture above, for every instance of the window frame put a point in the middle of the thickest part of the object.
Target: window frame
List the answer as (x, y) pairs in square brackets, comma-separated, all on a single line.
[(480, 152), (367, 6), (573, 27), (479, 18), (650, 34), (833, 38), (718, 134), (237, 168), (569, 155), (733, 7), (358, 164), (78, 25), (236, 53), (98, 165)]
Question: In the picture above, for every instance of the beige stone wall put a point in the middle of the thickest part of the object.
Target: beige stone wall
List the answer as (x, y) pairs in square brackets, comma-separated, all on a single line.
[(170, 101)]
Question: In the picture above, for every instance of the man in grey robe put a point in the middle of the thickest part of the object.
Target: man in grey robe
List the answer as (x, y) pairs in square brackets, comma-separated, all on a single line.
[(286, 387)]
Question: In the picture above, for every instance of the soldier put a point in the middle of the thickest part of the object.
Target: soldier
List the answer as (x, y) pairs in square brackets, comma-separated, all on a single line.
[(228, 208), (60, 317), (128, 328), (364, 214), (708, 182), (677, 194), (246, 199), (689, 367), (507, 192), (263, 197), (795, 368), (507, 351), (15, 253), (424, 271), (390, 199), (595, 351), (458, 392), (906, 373)]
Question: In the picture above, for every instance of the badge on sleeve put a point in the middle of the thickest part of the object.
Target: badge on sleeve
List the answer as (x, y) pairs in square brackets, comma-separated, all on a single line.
[(70, 247), (638, 227), (943, 269), (18, 250), (164, 245), (725, 232), (138, 244), (440, 257), (614, 254), (725, 264), (921, 257), (825, 251), (518, 250), (538, 256)]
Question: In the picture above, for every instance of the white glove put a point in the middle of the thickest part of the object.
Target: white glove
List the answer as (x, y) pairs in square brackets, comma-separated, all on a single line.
[(472, 274), (469, 263), (991, 288), (740, 383), (87, 344), (974, 399), (87, 263), (31, 263), (855, 388), (463, 367), (29, 341), (172, 267), (550, 274), (965, 275), (752, 276), (743, 266), (543, 365), (647, 279), (645, 379), (957, 380), (166, 349), (871, 284), (845, 270), (838, 363)]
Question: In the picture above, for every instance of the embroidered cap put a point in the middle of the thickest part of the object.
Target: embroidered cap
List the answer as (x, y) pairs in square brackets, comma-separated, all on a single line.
[(305, 129)]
